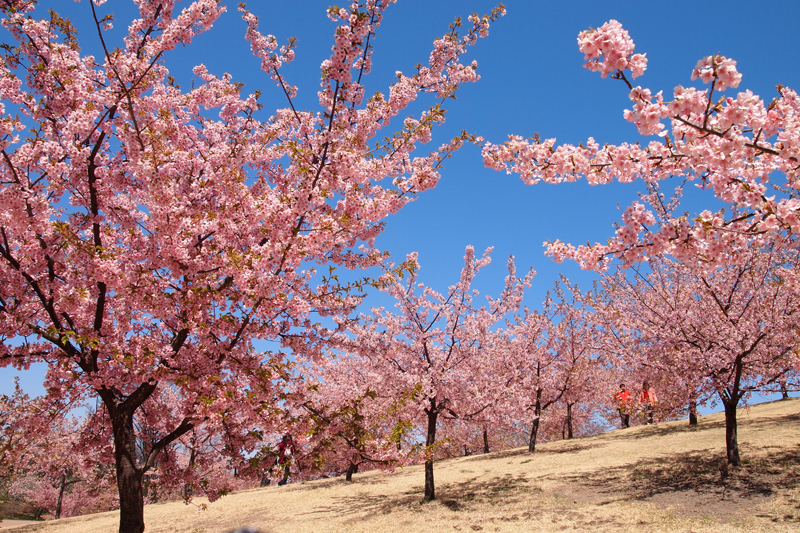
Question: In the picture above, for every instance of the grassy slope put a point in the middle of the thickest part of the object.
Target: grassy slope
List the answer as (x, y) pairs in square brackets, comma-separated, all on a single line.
[(663, 478)]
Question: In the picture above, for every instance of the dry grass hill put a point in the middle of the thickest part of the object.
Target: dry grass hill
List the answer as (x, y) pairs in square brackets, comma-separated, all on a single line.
[(664, 478)]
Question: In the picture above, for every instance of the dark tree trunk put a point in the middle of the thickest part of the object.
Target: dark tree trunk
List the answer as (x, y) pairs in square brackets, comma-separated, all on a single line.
[(430, 439), (730, 399), (692, 413), (537, 411), (129, 467), (534, 432), (731, 440), (354, 460), (129, 475), (62, 486), (187, 487), (352, 469), (485, 441), (569, 420), (784, 390)]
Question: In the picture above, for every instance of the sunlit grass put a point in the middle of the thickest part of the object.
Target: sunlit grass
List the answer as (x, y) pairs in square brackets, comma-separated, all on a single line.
[(663, 478)]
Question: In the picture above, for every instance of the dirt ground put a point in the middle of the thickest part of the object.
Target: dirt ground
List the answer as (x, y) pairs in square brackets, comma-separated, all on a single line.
[(665, 478)]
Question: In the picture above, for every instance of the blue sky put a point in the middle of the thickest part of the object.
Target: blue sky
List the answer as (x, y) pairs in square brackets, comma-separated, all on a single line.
[(532, 82)]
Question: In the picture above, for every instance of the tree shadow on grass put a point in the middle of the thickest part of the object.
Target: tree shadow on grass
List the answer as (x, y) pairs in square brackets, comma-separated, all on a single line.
[(709, 473), (458, 497), (700, 482), (507, 489), (662, 430)]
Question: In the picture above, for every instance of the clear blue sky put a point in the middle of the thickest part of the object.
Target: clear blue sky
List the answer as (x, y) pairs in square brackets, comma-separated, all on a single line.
[(532, 81)]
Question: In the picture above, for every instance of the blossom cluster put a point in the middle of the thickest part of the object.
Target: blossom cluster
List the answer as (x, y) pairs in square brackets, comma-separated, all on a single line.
[(609, 49), (731, 145)]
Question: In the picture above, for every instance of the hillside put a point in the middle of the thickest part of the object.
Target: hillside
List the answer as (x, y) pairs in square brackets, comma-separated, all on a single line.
[(664, 478)]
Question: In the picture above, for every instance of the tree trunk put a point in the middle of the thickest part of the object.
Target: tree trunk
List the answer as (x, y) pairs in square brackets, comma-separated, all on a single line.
[(430, 439), (130, 468), (569, 420), (692, 413), (187, 487), (129, 475), (784, 390), (730, 399), (354, 460), (731, 441), (537, 411), (534, 432), (485, 441), (62, 486), (352, 469)]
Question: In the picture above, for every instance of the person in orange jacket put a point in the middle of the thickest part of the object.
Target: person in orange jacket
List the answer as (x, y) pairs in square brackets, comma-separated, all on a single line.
[(624, 399), (647, 401)]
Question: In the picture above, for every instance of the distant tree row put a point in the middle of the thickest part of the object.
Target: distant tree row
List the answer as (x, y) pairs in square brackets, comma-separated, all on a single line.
[(441, 376)]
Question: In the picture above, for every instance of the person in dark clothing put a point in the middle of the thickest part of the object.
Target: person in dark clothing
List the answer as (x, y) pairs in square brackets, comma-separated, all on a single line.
[(285, 454)]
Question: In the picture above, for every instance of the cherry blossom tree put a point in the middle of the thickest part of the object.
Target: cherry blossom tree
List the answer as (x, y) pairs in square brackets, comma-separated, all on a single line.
[(148, 234), (583, 382), (529, 345), (46, 461), (212, 459), (54, 480), (551, 357), (348, 429), (734, 146), (12, 408), (427, 361), (725, 333), (742, 149)]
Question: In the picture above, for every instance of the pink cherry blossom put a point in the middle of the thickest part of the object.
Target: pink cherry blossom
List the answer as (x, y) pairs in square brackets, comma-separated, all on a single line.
[(703, 336), (149, 234), (611, 42), (431, 362), (729, 146)]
